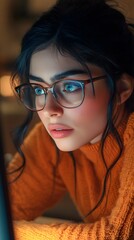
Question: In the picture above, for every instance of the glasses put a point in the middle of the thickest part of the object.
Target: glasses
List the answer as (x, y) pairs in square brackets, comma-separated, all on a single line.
[(67, 93)]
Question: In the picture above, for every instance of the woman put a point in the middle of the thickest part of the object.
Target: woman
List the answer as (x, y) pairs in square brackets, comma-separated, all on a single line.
[(76, 70)]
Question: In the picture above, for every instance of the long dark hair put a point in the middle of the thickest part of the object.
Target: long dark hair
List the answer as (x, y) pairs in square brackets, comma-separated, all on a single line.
[(91, 32)]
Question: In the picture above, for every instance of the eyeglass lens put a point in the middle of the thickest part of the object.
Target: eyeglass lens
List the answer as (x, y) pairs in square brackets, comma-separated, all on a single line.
[(68, 94)]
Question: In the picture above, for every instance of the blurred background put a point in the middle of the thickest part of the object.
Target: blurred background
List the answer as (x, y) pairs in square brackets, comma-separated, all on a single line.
[(16, 17)]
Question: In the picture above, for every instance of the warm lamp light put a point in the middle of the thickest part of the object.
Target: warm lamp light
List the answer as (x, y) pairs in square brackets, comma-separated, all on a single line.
[(5, 87)]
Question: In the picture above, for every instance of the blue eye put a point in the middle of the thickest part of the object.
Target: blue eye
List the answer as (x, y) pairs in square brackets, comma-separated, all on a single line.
[(72, 87), (38, 91)]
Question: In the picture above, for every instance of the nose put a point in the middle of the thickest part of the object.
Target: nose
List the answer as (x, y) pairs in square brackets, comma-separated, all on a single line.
[(52, 108)]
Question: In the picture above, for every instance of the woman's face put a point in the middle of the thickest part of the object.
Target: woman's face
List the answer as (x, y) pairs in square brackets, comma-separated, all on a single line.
[(70, 128)]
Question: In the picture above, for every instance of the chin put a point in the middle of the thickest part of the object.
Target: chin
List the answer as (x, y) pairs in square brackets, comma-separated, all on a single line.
[(67, 147)]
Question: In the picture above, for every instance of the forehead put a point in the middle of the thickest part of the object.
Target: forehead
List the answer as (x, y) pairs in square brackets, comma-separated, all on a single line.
[(51, 58), (50, 61)]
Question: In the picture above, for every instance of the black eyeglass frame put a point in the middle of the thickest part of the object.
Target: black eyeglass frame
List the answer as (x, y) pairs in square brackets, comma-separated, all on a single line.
[(51, 89)]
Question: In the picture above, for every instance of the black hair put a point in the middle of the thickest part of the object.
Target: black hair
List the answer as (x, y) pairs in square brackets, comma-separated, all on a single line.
[(90, 31)]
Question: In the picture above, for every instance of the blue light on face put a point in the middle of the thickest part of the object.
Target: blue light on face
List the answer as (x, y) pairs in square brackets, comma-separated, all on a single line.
[(38, 91), (71, 87)]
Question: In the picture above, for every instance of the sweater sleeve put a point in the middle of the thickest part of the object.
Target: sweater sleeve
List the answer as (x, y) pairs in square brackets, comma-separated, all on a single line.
[(118, 225), (39, 187)]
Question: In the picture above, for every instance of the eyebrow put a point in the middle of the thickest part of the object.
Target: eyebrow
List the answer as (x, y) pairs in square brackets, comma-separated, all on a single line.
[(58, 76)]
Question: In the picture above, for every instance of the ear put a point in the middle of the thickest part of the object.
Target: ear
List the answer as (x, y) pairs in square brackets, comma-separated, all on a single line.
[(125, 87)]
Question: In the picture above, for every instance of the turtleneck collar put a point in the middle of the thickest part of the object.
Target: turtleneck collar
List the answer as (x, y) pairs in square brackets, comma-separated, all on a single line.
[(111, 148)]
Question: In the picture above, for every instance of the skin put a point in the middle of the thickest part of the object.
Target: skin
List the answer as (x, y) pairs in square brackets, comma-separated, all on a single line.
[(88, 121)]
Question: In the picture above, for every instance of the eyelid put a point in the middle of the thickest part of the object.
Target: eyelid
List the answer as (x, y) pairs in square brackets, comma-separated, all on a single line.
[(45, 85), (82, 78), (41, 84)]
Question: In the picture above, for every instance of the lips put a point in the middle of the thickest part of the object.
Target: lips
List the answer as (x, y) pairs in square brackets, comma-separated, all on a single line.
[(59, 130), (58, 127)]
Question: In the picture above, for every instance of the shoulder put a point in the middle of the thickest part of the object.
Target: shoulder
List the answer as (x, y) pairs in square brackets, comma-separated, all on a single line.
[(38, 134), (38, 129), (128, 137), (127, 172), (38, 145)]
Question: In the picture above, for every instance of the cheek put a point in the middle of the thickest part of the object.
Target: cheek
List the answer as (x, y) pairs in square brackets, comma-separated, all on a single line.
[(92, 108), (41, 115), (98, 103)]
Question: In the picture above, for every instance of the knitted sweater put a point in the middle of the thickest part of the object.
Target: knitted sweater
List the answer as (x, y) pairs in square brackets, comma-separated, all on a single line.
[(48, 174)]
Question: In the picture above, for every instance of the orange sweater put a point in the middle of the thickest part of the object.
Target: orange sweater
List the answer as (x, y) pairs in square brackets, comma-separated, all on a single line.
[(35, 191)]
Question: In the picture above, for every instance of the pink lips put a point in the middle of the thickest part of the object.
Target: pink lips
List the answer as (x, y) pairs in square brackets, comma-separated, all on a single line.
[(59, 130)]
